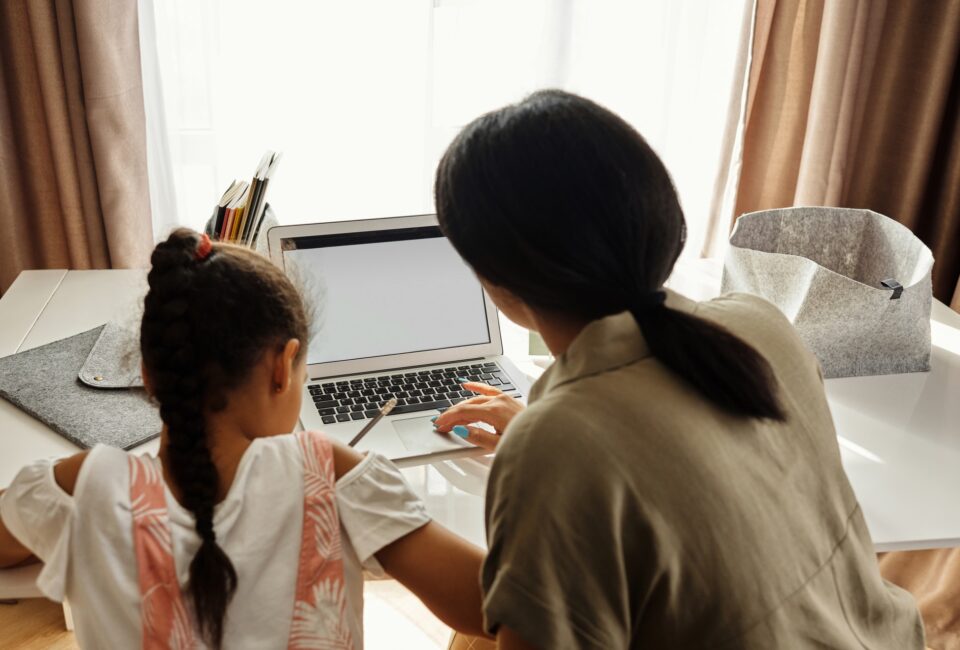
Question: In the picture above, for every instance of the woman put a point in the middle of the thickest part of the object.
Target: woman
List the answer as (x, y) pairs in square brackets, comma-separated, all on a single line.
[(675, 480)]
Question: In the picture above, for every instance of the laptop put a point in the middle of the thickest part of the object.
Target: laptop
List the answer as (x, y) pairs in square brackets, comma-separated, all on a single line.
[(396, 313)]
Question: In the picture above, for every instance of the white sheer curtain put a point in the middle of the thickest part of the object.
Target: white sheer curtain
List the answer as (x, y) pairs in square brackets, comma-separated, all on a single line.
[(362, 97)]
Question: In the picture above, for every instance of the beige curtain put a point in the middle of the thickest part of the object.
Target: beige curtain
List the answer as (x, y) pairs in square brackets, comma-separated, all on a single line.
[(857, 104), (73, 170)]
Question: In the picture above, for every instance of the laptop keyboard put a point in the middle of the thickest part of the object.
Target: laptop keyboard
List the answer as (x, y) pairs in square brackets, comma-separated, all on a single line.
[(423, 390)]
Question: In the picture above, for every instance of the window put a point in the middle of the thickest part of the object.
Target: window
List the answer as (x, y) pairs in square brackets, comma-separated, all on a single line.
[(362, 97)]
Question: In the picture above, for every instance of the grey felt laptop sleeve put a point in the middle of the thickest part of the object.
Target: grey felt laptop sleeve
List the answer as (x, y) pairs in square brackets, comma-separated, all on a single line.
[(86, 387)]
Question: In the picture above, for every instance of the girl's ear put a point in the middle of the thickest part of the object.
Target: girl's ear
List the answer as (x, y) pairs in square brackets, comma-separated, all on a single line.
[(285, 365)]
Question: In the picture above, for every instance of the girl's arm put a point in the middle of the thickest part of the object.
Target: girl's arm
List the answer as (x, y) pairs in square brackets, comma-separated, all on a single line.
[(443, 571), (12, 552), (440, 568)]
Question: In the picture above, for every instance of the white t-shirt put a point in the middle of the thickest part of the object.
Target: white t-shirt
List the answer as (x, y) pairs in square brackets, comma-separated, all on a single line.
[(86, 541)]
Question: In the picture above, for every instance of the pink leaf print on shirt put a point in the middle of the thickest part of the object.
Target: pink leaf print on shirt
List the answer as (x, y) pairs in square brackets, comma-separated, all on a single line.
[(164, 619), (321, 621), (320, 613), (320, 608)]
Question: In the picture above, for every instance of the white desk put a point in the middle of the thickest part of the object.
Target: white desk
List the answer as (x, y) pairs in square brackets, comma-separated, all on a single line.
[(899, 435), (44, 306)]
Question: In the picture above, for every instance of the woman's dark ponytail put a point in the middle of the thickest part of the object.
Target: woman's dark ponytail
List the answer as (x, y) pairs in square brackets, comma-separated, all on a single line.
[(209, 314), (725, 369), (562, 203)]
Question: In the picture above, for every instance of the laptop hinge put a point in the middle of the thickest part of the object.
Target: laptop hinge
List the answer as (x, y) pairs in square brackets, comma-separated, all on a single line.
[(393, 370)]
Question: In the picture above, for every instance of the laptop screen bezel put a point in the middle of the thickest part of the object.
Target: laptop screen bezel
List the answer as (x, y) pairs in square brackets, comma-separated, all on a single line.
[(393, 361)]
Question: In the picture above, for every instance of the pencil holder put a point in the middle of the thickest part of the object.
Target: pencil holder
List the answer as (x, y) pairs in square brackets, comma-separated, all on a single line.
[(259, 242)]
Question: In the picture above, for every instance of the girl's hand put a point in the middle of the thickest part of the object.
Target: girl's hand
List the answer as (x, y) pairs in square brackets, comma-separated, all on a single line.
[(491, 406)]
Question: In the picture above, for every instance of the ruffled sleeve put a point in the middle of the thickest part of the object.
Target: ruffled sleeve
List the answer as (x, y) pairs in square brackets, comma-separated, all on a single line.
[(377, 507), (40, 515)]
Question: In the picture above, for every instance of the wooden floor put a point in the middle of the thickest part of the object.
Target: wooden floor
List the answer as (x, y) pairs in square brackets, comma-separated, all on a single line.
[(393, 618), (34, 624)]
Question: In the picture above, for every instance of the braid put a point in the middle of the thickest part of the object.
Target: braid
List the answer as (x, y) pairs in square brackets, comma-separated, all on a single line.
[(207, 320), (176, 367), (213, 579)]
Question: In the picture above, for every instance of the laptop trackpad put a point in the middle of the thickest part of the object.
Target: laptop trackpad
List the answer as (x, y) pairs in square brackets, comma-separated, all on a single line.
[(417, 435)]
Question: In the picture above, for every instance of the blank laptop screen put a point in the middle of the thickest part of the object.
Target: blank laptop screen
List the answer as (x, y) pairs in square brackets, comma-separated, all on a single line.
[(386, 292)]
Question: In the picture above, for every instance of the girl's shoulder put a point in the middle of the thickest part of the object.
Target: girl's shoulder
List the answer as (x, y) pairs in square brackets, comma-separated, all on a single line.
[(291, 452), (101, 483), (105, 474), (105, 471)]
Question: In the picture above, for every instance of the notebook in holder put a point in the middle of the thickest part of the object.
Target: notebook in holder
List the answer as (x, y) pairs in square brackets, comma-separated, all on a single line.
[(86, 387)]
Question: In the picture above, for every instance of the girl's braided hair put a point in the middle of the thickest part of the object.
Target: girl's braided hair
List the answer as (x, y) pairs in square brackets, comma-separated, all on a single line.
[(207, 321)]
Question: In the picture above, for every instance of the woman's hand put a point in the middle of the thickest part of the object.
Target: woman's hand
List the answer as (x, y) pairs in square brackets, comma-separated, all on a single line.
[(491, 406)]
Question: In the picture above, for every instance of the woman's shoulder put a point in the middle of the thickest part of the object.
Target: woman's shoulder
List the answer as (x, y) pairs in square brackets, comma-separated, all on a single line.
[(744, 308), (533, 423), (761, 324), (750, 316), (553, 433)]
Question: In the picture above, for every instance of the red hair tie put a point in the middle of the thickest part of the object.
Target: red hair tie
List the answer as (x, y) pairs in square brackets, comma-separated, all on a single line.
[(204, 246)]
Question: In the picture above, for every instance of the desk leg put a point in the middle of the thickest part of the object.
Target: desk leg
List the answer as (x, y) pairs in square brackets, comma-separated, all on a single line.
[(67, 616)]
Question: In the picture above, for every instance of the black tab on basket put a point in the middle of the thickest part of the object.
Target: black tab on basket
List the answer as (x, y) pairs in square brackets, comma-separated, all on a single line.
[(895, 286)]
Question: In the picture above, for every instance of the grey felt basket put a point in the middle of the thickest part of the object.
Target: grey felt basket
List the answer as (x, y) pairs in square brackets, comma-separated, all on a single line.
[(856, 284)]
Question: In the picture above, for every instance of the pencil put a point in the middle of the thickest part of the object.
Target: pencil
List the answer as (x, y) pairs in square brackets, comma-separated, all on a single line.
[(372, 423)]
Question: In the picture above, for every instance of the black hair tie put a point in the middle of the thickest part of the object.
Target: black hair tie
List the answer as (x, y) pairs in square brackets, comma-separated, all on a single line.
[(647, 303)]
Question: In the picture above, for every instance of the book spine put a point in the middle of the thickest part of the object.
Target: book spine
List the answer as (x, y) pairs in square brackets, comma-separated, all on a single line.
[(261, 197), (235, 225), (228, 225), (256, 231), (218, 225), (251, 198)]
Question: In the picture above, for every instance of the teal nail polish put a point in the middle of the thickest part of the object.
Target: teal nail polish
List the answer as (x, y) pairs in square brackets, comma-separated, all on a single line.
[(461, 431), (434, 418), (462, 380)]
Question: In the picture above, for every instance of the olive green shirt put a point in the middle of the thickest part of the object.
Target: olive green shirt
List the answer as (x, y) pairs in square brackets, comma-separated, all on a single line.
[(626, 511)]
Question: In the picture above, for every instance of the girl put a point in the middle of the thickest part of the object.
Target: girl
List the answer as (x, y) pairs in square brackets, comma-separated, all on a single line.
[(675, 481), (233, 536)]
